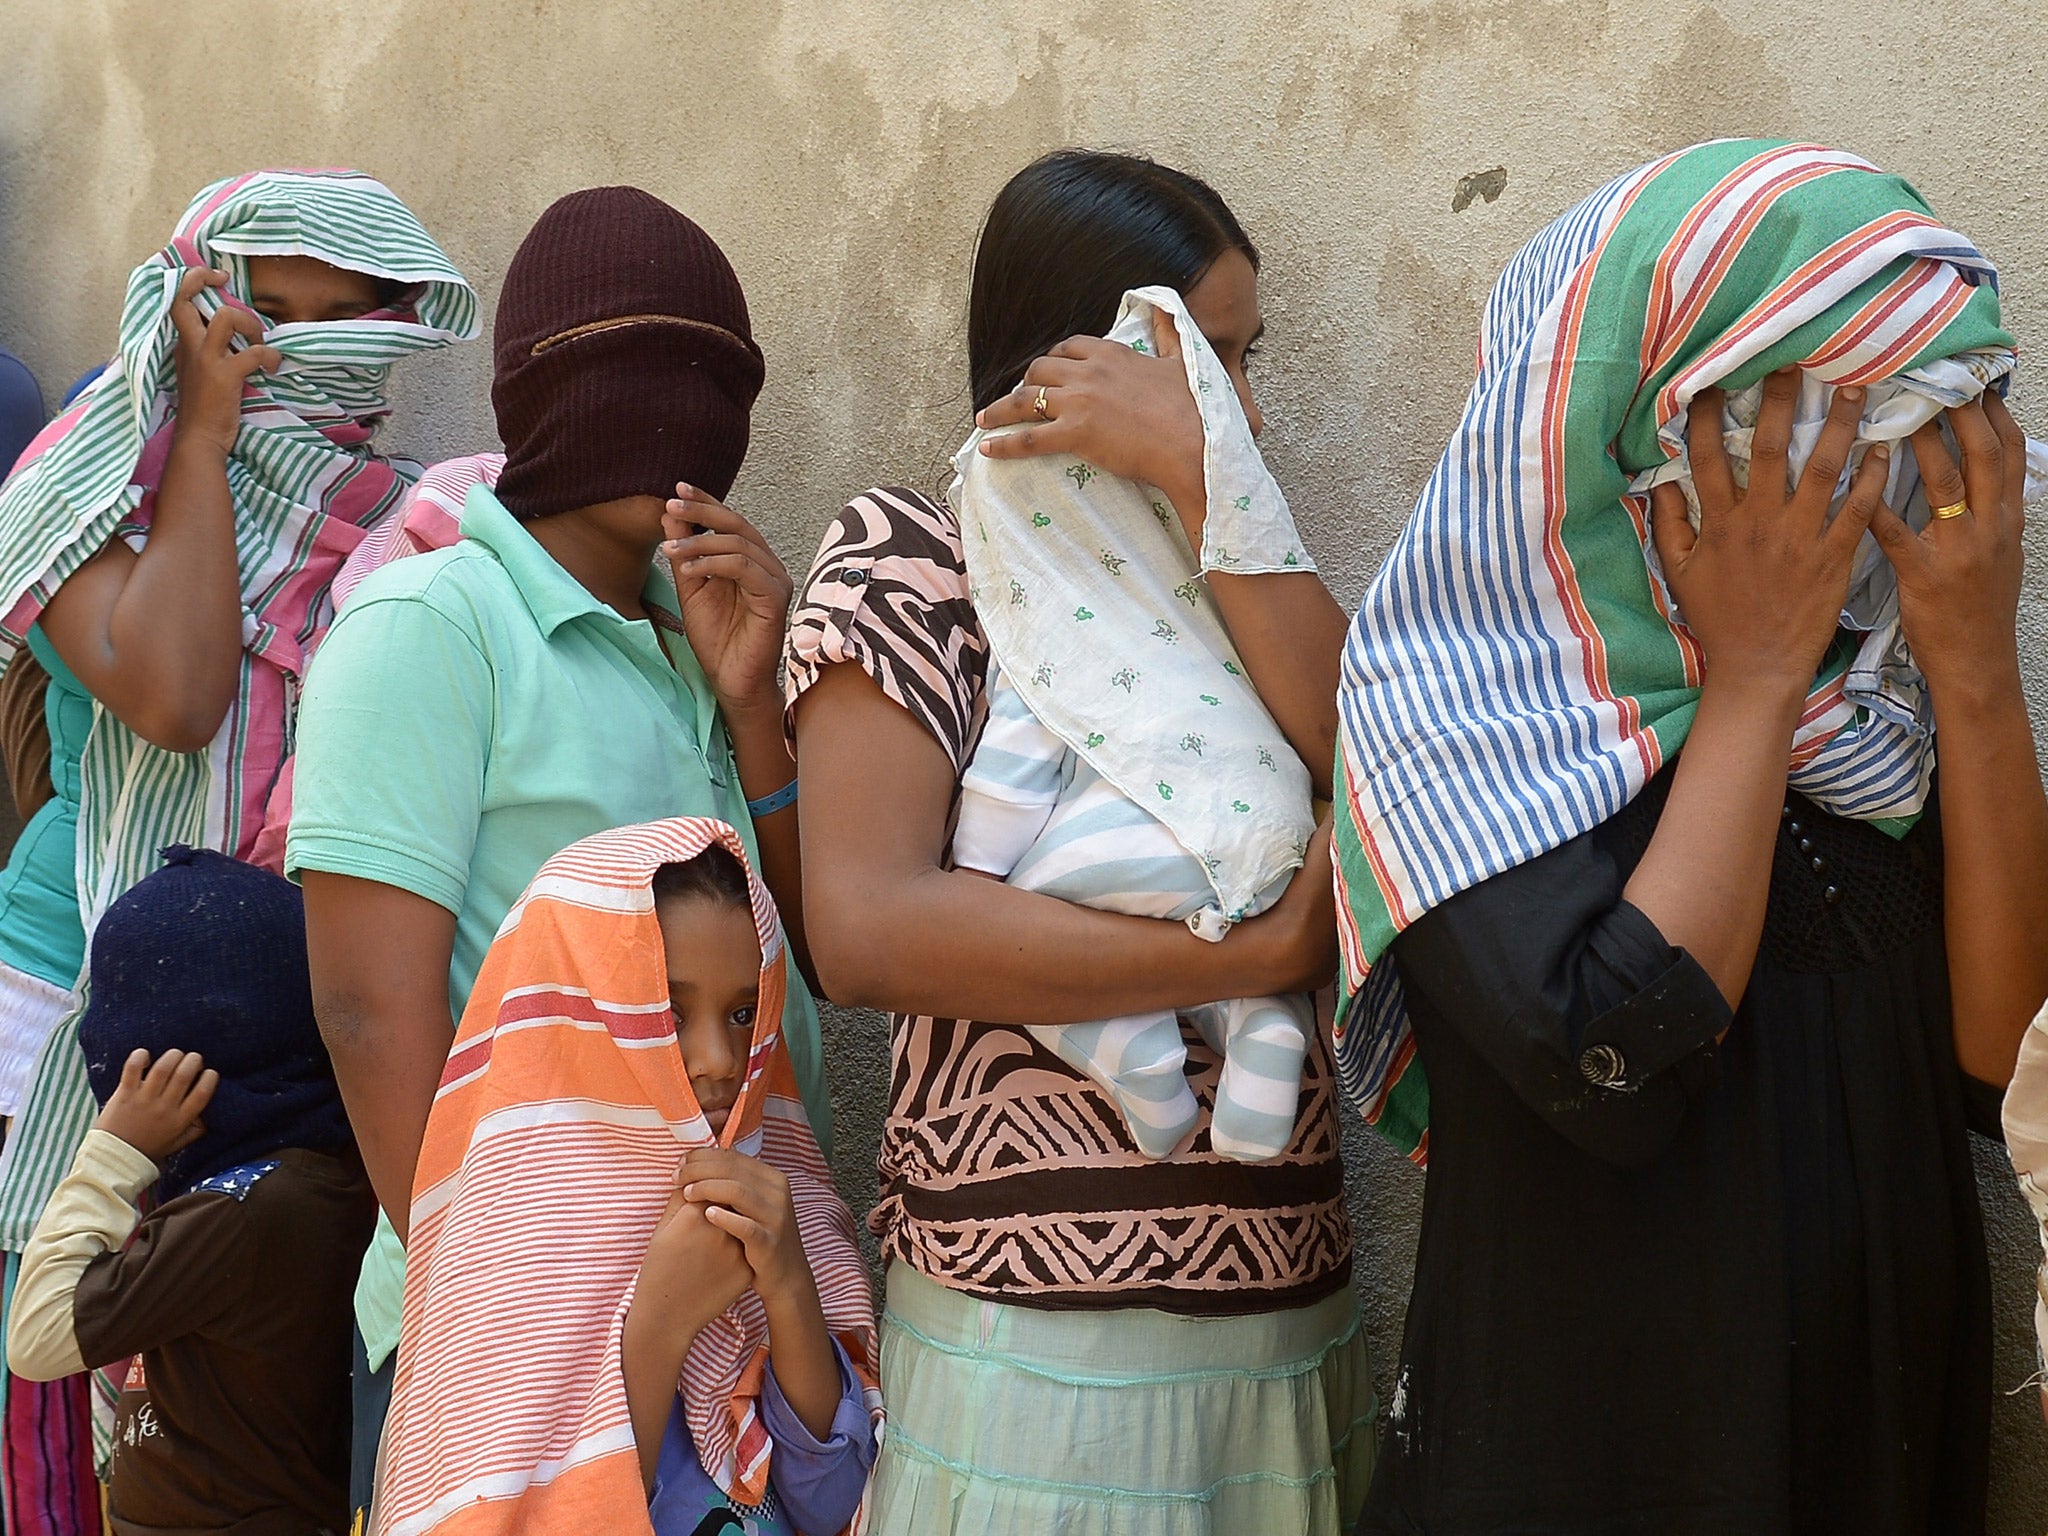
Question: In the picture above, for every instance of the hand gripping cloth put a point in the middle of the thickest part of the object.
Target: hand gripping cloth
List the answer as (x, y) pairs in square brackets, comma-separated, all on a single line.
[(1518, 671), (550, 1153)]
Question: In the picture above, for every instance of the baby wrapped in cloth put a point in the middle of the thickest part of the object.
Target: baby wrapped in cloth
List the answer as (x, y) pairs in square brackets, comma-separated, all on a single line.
[(1127, 763)]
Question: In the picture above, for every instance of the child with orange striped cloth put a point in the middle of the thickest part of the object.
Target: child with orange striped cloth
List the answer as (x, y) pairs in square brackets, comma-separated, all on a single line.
[(633, 1300)]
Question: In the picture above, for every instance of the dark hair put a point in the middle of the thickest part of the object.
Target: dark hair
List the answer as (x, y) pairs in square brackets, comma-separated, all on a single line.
[(1068, 236), (394, 294), (713, 875)]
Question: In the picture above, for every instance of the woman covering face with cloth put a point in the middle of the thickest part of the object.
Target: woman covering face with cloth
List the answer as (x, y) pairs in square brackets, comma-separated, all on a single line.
[(1691, 840)]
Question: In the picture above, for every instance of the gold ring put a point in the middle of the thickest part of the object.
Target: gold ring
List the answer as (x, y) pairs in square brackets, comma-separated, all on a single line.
[(1953, 509), (1038, 405)]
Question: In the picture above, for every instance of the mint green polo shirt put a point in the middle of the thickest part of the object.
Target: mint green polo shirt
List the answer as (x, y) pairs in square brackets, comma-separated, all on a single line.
[(474, 711)]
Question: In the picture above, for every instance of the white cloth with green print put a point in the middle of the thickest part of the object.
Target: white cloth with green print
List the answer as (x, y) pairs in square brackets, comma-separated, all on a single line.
[(1128, 764)]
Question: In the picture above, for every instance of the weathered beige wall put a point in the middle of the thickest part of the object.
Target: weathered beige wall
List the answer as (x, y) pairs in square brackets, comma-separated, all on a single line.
[(843, 151)]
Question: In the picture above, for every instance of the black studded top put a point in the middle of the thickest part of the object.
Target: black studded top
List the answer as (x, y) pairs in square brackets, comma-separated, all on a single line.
[(1682, 1269)]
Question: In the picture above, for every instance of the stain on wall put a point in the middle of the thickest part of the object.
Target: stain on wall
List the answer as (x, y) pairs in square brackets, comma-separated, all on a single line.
[(1486, 186), (844, 151)]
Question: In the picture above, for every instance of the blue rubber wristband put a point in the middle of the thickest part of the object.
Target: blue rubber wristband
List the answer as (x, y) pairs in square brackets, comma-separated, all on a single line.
[(768, 805)]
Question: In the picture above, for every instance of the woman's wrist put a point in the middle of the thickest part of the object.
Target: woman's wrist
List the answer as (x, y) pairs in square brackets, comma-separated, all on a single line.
[(190, 440), (1189, 496), (1757, 694), (756, 712), (760, 747), (1259, 958), (1991, 686)]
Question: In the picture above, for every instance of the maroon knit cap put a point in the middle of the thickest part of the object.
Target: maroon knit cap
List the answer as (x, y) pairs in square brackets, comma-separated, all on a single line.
[(624, 361)]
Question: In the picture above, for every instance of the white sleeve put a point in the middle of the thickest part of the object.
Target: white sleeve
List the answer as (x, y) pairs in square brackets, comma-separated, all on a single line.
[(1010, 788), (92, 1212)]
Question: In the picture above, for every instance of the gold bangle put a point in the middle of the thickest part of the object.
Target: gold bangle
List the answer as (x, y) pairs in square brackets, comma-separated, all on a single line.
[(1953, 509)]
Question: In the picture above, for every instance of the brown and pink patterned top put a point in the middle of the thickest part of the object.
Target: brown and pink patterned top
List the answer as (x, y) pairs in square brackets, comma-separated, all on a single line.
[(1004, 1172)]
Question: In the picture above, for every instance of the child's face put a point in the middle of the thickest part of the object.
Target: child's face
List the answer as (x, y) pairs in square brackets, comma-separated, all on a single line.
[(1225, 306), (714, 984), (291, 290)]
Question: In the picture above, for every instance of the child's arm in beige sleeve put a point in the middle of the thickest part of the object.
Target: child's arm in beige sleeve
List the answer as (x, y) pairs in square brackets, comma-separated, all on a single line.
[(92, 1212)]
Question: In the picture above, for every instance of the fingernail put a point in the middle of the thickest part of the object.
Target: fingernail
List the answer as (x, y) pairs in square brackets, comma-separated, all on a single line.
[(1853, 393), (1881, 452)]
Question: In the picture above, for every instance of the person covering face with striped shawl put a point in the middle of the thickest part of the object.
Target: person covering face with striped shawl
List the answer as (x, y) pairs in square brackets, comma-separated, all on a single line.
[(1643, 856), (1518, 670), (578, 1131), (166, 549), (305, 484)]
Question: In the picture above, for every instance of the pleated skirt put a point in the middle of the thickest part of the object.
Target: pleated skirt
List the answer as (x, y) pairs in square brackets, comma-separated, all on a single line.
[(1131, 1422)]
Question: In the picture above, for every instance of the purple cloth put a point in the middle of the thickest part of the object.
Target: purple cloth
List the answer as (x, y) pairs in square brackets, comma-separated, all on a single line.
[(21, 409), (814, 1485)]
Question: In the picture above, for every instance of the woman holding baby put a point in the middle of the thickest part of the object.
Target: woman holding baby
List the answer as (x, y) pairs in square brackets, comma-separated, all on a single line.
[(1095, 1315)]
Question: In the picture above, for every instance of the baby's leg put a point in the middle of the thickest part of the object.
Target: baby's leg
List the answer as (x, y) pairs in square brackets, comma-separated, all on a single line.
[(1140, 1061), (1263, 1041)]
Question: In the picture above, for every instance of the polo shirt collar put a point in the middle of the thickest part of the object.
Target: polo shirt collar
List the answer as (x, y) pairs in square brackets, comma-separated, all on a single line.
[(551, 594)]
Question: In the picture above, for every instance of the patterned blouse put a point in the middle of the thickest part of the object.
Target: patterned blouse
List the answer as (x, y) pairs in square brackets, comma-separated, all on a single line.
[(1004, 1172)]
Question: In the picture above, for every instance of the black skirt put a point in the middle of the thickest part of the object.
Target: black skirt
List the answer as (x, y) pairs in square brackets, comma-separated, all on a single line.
[(1671, 1286)]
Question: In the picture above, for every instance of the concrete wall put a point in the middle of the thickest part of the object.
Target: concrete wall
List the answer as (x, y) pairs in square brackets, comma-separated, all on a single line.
[(844, 150)]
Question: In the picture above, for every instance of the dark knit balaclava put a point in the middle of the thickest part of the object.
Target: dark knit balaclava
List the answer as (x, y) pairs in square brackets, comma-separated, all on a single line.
[(624, 360), (208, 954)]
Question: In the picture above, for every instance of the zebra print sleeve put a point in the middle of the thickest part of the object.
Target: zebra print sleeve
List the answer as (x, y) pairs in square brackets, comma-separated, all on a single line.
[(888, 592)]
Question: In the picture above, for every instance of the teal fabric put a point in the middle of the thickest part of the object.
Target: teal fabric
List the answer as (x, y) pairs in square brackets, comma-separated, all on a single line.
[(473, 711), (1128, 1422), (40, 929)]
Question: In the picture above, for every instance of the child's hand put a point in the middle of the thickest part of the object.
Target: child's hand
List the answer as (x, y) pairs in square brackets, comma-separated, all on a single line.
[(210, 377), (692, 1272), (157, 1106), (744, 1196)]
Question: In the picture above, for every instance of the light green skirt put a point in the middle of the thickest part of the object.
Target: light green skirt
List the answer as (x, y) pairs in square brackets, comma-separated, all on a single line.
[(1133, 1422)]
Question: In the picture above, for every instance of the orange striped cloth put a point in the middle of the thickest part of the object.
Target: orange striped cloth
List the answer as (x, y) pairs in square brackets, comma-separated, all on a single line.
[(550, 1153)]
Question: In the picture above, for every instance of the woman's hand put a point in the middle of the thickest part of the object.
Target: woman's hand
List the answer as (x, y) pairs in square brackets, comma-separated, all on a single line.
[(1299, 931), (1124, 412), (1762, 583), (156, 1107), (211, 379), (1959, 592), (734, 596), (1959, 577), (1761, 587), (749, 1200)]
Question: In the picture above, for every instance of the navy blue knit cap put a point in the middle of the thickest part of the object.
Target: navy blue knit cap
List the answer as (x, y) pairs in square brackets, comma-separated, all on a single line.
[(208, 954)]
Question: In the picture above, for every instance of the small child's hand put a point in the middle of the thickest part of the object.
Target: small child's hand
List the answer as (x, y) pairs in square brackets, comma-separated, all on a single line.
[(157, 1106), (744, 1196), (692, 1271)]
